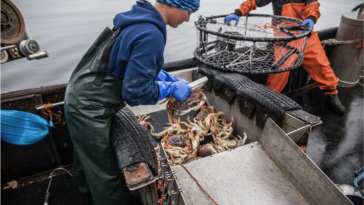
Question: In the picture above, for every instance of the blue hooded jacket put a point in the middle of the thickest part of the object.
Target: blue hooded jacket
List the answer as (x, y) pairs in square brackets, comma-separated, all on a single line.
[(137, 55)]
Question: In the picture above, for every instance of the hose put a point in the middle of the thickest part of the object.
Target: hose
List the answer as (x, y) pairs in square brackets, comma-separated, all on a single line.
[(50, 181), (358, 6)]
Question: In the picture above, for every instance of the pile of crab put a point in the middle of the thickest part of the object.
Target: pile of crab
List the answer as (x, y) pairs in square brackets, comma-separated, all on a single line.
[(204, 135)]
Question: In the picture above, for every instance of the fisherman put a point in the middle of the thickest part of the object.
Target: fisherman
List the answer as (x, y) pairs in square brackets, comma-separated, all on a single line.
[(132, 74), (315, 61)]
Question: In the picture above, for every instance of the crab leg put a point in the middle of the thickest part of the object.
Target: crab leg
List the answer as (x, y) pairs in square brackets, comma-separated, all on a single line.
[(151, 128), (161, 134), (196, 107), (243, 140)]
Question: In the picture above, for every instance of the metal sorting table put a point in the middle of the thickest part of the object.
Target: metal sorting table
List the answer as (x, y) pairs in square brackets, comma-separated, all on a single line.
[(272, 170), (245, 175)]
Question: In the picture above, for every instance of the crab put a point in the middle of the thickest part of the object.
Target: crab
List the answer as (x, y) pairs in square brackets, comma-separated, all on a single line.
[(198, 129), (177, 154), (195, 139), (230, 144), (174, 105), (183, 145), (206, 150), (191, 159), (143, 122), (179, 139), (173, 128), (211, 123), (226, 130), (205, 111), (217, 127)]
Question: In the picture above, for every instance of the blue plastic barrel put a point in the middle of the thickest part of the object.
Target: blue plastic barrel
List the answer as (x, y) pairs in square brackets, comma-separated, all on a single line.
[(22, 128)]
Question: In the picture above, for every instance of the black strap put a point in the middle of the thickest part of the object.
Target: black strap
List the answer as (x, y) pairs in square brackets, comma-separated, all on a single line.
[(294, 28), (105, 58)]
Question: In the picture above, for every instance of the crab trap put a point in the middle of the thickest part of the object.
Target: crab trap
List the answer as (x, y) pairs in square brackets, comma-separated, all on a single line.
[(258, 44)]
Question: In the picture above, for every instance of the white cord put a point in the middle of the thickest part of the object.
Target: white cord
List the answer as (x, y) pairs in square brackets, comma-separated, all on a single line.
[(50, 181), (350, 83)]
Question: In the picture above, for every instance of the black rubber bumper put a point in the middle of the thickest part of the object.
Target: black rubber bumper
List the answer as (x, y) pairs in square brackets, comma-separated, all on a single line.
[(131, 142)]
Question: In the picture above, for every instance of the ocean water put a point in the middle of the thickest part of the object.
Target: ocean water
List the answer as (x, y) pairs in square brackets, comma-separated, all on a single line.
[(66, 29)]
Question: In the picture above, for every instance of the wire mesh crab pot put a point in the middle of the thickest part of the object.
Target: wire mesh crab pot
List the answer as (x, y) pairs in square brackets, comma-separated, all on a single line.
[(258, 44)]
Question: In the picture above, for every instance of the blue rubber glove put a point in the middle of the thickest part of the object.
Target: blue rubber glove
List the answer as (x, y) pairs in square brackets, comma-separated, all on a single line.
[(230, 18), (309, 22), (164, 76), (182, 91), (176, 89)]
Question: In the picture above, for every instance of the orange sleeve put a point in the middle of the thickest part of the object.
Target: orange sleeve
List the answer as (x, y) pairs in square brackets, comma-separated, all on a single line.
[(247, 6), (312, 9)]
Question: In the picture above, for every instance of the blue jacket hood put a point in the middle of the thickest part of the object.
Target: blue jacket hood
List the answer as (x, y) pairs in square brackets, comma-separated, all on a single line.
[(137, 55), (141, 13)]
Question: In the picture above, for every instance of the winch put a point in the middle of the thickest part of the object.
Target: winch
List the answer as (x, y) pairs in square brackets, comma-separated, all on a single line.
[(15, 42)]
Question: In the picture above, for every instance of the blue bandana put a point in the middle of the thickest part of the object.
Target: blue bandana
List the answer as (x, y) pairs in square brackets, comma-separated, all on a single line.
[(188, 5)]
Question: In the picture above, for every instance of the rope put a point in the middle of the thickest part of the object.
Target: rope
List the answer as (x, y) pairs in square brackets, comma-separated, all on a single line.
[(47, 111), (266, 26), (333, 41), (362, 74), (198, 184), (350, 83), (359, 45)]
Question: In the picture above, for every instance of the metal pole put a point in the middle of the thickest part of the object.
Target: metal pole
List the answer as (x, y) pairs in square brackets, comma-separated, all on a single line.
[(7, 47), (38, 56), (54, 105)]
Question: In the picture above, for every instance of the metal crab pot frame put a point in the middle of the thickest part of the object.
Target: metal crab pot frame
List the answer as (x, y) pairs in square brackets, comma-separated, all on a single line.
[(250, 48)]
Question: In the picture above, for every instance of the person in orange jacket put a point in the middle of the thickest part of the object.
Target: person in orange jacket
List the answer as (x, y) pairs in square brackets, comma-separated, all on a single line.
[(315, 61)]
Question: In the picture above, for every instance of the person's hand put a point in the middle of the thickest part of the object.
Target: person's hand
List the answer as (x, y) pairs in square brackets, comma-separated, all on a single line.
[(308, 22), (181, 91), (230, 18)]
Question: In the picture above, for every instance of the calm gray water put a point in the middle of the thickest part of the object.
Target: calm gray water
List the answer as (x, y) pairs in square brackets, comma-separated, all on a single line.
[(67, 28)]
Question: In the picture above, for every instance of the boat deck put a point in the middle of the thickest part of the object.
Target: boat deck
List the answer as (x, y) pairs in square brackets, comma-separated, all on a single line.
[(336, 146)]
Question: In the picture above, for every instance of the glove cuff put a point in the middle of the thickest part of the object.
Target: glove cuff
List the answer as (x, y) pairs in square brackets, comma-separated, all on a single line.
[(166, 89), (312, 18), (238, 13)]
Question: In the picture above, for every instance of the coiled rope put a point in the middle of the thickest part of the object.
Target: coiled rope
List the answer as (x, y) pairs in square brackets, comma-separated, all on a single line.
[(47, 111)]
